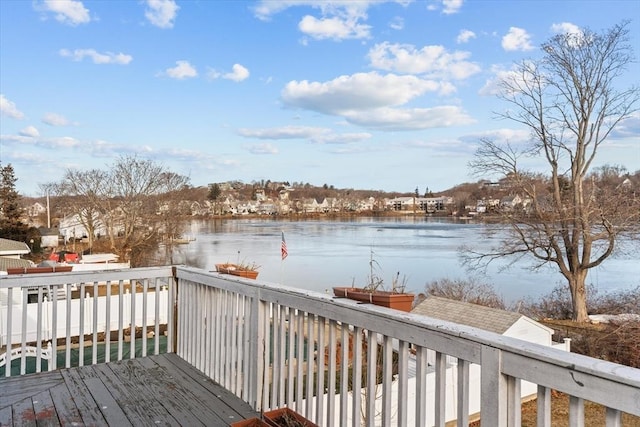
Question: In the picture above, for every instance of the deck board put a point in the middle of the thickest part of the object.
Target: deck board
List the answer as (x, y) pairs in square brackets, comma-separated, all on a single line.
[(156, 390)]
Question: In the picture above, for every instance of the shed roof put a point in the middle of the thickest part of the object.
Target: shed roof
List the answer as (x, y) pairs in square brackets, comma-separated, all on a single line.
[(13, 247), (6, 263), (474, 315)]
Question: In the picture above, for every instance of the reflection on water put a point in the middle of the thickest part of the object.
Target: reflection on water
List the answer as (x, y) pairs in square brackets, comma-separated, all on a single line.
[(324, 253)]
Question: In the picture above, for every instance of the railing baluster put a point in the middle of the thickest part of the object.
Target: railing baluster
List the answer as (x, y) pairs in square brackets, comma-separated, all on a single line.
[(94, 325), (320, 371), (39, 331), (107, 321), (145, 300), (332, 371), (300, 360), (421, 386), (463, 393), (9, 340), (157, 294), (346, 344), (310, 340), (275, 355), (403, 382), (234, 343), (357, 376), (613, 418), (120, 318), (53, 363), (576, 412), (387, 378), (291, 355), (440, 389), (67, 351), (132, 325), (23, 333), (371, 389), (514, 402)]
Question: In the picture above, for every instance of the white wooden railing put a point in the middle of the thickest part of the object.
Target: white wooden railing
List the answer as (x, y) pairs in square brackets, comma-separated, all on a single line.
[(263, 341), (63, 312)]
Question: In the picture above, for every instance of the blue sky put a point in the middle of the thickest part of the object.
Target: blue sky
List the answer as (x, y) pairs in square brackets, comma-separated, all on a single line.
[(382, 95)]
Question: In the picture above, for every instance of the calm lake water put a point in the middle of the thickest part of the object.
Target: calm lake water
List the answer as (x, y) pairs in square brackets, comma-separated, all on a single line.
[(326, 253)]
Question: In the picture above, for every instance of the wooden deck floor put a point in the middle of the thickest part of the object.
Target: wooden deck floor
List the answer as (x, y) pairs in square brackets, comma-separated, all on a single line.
[(150, 391)]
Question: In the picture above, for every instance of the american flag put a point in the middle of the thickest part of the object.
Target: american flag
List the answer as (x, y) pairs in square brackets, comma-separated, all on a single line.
[(283, 247)]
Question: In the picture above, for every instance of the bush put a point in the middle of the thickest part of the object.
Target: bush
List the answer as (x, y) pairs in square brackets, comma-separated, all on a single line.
[(468, 290)]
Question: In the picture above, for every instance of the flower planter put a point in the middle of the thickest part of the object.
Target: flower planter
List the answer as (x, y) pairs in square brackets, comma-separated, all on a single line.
[(395, 300), (251, 422), (285, 417), (236, 270)]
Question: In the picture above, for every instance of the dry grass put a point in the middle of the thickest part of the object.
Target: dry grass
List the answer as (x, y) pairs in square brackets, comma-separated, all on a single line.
[(594, 414)]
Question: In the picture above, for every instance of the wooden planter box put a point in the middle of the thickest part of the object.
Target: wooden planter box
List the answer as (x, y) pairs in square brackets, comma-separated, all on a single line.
[(251, 422), (397, 301), (285, 417), (236, 270), (282, 417)]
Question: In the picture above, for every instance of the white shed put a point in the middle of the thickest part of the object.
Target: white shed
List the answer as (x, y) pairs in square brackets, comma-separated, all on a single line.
[(507, 323)]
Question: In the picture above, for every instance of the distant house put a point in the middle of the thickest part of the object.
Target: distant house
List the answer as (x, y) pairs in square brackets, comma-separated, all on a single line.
[(49, 237)]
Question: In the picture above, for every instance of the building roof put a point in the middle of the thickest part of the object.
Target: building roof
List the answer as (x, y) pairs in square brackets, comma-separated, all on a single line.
[(474, 315), (13, 247), (6, 263)]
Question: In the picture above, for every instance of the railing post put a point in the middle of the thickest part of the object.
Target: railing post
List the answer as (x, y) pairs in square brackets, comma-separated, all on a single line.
[(494, 387), (172, 296)]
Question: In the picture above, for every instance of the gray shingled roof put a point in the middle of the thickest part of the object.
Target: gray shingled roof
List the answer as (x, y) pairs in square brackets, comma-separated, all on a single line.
[(477, 316), (13, 247), (6, 263)]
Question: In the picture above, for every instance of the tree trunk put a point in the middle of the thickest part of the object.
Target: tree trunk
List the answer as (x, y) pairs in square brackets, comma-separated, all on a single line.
[(579, 296)]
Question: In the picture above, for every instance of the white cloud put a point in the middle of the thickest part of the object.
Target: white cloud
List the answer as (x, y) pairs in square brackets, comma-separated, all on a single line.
[(53, 119), (397, 23), (9, 109), (30, 131), (337, 20), (464, 36), (370, 100), (361, 91), (434, 61), (516, 39), (501, 136), (161, 13), (69, 12), (182, 70), (238, 74), (264, 148), (312, 134), (495, 85), (341, 138), (335, 28), (284, 132), (566, 28), (96, 57), (451, 6), (396, 119)]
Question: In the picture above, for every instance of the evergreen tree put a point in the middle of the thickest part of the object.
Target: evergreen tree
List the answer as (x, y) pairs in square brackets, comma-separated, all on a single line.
[(10, 225)]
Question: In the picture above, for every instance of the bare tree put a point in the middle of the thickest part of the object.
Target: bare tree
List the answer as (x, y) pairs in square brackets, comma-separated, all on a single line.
[(132, 200), (569, 102)]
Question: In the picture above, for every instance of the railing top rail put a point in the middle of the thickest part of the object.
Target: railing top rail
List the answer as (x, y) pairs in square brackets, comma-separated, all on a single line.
[(44, 279), (407, 326)]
